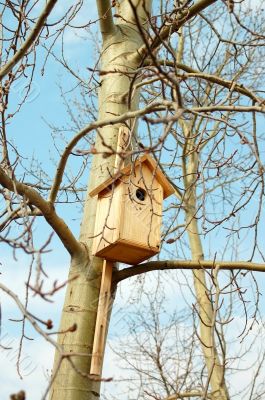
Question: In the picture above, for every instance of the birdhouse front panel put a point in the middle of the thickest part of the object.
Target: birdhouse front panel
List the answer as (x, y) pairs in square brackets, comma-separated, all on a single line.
[(143, 198), (129, 214)]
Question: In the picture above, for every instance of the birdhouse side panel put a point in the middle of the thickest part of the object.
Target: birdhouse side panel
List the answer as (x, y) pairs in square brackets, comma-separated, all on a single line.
[(108, 217), (143, 198)]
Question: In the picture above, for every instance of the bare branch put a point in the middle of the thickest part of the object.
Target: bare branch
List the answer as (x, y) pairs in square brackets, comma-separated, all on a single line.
[(162, 105), (247, 109), (186, 265), (185, 395), (105, 17), (29, 316), (30, 40), (193, 73), (49, 213), (95, 125), (176, 25)]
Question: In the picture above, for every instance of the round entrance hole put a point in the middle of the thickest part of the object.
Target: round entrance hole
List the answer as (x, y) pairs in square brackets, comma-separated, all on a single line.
[(140, 194)]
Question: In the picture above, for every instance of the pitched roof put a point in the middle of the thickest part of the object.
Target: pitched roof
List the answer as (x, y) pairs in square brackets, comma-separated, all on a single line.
[(153, 166)]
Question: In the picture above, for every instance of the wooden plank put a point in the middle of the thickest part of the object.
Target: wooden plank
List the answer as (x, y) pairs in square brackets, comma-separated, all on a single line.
[(142, 219), (122, 147), (128, 252), (102, 319)]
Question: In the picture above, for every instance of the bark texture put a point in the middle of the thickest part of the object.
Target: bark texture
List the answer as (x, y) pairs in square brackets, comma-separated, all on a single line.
[(216, 379), (119, 61)]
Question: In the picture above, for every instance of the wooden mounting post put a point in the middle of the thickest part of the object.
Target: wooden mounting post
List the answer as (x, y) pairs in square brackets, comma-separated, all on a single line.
[(123, 145), (102, 319)]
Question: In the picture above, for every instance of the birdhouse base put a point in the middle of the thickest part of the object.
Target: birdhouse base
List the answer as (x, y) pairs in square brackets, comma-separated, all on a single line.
[(127, 252)]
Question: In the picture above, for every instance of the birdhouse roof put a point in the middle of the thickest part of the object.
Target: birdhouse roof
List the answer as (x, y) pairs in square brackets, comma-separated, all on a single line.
[(152, 165)]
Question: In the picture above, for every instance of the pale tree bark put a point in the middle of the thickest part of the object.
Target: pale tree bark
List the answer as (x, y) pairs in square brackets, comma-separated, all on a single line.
[(206, 312), (119, 60), (190, 160)]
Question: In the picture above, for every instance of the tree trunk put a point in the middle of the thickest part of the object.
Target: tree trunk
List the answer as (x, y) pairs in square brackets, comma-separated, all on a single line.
[(215, 369), (119, 61)]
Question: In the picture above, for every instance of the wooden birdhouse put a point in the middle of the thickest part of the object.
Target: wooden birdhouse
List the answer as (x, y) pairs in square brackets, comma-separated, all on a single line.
[(129, 212)]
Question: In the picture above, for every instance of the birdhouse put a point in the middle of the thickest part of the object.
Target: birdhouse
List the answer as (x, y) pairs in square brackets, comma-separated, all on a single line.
[(129, 212)]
